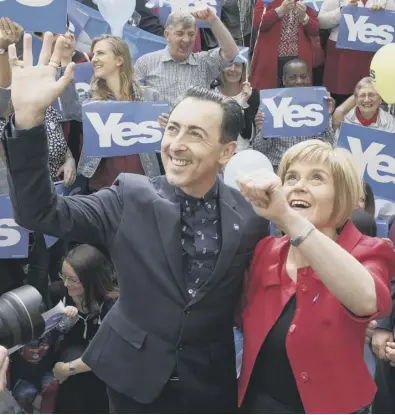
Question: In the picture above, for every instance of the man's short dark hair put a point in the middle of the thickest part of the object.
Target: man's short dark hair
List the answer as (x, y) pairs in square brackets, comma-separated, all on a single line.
[(294, 62), (233, 116)]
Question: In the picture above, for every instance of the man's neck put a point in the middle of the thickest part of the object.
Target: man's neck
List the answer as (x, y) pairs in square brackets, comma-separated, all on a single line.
[(199, 191)]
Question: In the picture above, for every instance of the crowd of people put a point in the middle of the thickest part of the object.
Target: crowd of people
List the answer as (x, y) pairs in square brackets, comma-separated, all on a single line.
[(160, 262)]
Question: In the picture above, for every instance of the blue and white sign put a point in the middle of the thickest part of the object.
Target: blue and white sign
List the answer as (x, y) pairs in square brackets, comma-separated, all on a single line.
[(14, 240), (37, 15), (79, 187), (114, 128), (294, 112), (77, 18), (374, 156), (362, 29), (139, 41)]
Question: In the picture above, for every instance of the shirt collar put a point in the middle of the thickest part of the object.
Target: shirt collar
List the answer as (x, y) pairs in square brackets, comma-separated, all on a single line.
[(166, 57), (363, 120), (210, 196)]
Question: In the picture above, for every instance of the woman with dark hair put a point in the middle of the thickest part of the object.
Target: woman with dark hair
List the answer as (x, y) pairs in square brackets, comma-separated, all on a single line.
[(89, 279), (366, 201)]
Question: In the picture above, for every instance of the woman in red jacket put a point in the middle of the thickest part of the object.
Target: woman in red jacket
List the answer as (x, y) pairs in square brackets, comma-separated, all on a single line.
[(284, 31), (310, 294)]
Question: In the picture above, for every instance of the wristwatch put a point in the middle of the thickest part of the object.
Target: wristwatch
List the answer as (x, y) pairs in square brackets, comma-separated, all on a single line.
[(3, 51), (72, 368)]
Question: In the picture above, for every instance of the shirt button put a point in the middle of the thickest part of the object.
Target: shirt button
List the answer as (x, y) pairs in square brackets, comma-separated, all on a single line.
[(304, 288), (292, 328), (199, 232), (180, 347), (304, 376), (304, 273), (187, 311)]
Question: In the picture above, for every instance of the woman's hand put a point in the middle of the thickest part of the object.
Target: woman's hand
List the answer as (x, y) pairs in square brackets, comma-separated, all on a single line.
[(331, 104), (264, 190), (10, 32), (337, 119), (163, 119), (64, 48), (259, 118), (246, 92), (71, 312), (301, 11), (61, 371), (390, 352), (69, 171), (286, 6)]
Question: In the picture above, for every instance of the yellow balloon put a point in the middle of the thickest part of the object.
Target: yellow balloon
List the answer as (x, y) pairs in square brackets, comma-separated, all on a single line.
[(382, 72)]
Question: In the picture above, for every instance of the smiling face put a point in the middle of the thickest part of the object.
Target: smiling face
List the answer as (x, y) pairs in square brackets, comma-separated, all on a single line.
[(234, 73), (71, 281), (296, 74), (368, 101), (180, 40), (191, 149), (105, 62), (310, 190)]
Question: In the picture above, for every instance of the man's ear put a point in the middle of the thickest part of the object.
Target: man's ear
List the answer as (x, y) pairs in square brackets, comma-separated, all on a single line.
[(227, 152)]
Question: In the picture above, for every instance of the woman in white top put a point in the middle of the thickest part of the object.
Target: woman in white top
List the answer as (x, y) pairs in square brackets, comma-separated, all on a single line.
[(233, 83), (343, 67)]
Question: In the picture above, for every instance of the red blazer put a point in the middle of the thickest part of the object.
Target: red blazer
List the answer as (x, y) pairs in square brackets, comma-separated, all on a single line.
[(325, 342), (264, 64)]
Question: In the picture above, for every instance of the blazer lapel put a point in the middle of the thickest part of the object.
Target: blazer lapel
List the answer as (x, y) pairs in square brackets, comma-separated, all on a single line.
[(231, 230), (167, 212)]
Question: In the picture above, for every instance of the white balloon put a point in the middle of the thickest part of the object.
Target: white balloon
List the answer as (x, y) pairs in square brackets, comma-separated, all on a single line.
[(116, 13), (35, 3), (244, 162)]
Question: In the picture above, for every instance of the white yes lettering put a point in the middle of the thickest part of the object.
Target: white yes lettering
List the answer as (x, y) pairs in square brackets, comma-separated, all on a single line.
[(124, 134), (8, 235), (295, 116), (368, 32)]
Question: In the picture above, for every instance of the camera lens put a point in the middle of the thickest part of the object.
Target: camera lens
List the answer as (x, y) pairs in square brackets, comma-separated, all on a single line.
[(20, 317)]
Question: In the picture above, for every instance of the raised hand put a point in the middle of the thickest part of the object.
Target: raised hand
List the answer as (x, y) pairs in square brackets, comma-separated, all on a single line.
[(246, 92), (64, 48), (207, 15), (35, 88), (301, 10), (10, 32), (287, 6), (263, 189), (259, 118)]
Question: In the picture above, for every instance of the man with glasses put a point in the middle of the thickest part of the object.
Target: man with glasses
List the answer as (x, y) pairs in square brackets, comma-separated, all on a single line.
[(172, 70)]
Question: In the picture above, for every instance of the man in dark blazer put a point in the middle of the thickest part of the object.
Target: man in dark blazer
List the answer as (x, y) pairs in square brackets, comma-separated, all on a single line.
[(180, 245)]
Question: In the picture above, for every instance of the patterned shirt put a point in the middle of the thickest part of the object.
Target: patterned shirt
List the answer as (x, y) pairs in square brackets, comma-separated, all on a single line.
[(289, 35), (200, 237), (274, 147), (171, 79)]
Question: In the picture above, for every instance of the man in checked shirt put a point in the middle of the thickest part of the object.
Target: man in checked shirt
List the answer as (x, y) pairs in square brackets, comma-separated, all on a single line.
[(172, 70)]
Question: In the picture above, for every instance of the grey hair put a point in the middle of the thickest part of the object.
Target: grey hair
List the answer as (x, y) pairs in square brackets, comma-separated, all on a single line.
[(185, 19), (367, 81)]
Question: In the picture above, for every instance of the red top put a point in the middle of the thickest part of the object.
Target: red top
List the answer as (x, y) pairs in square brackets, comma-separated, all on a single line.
[(363, 120), (325, 342), (264, 64)]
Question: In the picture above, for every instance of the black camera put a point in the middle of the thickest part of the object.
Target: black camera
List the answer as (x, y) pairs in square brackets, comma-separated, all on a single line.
[(20, 316)]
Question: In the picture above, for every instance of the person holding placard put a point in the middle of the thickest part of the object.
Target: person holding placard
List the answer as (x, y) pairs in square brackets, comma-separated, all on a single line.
[(309, 296), (296, 74), (114, 80), (180, 244), (344, 68)]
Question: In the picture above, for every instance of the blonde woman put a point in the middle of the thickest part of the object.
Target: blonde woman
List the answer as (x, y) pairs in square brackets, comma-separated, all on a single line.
[(113, 80), (310, 295)]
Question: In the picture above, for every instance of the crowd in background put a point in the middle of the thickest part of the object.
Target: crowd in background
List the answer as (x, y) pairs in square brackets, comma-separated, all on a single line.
[(291, 45)]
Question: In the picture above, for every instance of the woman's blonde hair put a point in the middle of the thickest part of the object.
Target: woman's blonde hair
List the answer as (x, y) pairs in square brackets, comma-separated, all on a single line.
[(130, 90), (348, 183), (367, 81), (243, 77)]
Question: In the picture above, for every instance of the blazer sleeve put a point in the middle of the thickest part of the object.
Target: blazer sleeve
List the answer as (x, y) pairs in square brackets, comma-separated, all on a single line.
[(330, 14), (378, 257), (90, 219), (249, 115), (264, 19), (312, 28), (5, 98), (387, 323)]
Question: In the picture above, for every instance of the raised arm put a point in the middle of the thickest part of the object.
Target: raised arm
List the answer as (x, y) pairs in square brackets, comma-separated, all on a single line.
[(92, 219), (228, 47), (330, 14)]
